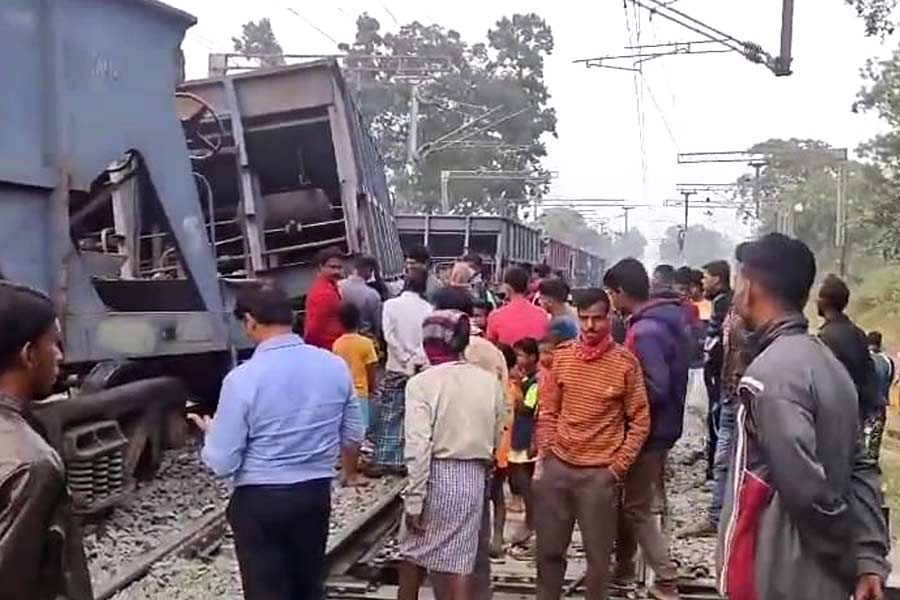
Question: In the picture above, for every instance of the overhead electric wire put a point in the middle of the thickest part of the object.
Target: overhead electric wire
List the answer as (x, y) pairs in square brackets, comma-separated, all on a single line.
[(313, 25), (665, 71), (661, 113), (640, 71), (698, 22), (638, 108), (728, 42), (390, 14)]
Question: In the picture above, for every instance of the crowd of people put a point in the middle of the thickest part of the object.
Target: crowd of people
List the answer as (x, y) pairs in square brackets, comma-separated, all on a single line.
[(569, 400)]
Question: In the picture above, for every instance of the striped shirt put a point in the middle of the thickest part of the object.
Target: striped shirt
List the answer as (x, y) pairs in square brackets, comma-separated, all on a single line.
[(595, 413)]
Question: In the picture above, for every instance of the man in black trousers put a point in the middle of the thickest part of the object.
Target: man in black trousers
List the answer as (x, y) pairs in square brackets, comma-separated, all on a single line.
[(717, 287), (283, 418)]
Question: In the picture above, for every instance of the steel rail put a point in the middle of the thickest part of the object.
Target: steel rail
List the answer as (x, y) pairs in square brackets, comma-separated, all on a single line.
[(339, 551)]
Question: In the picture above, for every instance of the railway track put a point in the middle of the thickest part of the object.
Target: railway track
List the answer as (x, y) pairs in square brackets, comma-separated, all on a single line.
[(374, 515), (195, 548), (361, 565)]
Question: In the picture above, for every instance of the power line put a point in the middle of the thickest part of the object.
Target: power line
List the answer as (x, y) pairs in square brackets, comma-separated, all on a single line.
[(390, 14), (661, 113), (313, 25), (665, 71), (198, 42), (637, 100)]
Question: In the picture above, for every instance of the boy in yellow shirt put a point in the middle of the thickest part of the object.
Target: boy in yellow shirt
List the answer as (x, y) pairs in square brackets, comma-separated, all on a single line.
[(359, 353)]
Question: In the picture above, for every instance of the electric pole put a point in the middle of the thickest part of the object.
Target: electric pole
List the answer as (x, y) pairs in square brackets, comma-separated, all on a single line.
[(523, 176), (757, 166), (840, 231), (413, 139), (626, 210), (687, 208)]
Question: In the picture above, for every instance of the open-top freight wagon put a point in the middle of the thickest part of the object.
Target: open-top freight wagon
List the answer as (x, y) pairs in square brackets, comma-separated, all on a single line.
[(501, 242), (141, 239), (291, 169)]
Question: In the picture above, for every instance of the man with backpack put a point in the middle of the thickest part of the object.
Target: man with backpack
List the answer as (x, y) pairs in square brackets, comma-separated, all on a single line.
[(885, 371)]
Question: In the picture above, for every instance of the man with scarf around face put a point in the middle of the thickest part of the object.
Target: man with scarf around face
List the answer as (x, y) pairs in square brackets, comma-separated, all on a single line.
[(659, 336), (593, 421), (455, 413)]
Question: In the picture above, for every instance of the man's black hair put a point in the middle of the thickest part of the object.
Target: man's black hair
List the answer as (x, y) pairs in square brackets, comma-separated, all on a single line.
[(629, 276), (508, 354), (697, 277), (685, 276), (528, 346), (665, 274), (482, 305), (720, 269), (517, 279), (785, 267), (419, 253), (556, 289), (266, 303), (25, 315), (326, 254), (586, 298), (875, 340), (551, 339), (416, 281), (542, 271), (363, 262), (348, 315), (473, 259), (835, 293), (454, 298)]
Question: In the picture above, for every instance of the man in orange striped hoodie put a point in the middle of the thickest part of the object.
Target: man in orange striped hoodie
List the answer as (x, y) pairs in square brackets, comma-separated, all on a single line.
[(591, 427)]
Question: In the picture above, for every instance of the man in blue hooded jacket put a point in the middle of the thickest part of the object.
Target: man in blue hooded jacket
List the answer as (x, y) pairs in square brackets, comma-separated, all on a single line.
[(658, 334)]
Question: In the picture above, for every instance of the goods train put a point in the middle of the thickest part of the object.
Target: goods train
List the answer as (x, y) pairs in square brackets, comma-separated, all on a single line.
[(500, 242), (141, 239), (140, 204)]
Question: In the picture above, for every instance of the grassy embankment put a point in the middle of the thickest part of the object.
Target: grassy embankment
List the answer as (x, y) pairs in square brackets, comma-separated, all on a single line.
[(876, 305)]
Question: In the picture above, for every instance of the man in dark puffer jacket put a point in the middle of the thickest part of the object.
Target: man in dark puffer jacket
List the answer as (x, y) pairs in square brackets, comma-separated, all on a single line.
[(658, 334)]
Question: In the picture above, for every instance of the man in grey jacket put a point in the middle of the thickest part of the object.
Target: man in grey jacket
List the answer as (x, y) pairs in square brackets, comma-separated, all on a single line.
[(802, 518)]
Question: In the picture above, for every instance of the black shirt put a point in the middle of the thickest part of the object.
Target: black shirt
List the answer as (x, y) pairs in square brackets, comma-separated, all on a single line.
[(848, 343)]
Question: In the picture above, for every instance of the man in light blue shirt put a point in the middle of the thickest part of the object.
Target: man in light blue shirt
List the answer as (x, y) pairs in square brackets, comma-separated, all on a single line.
[(283, 418)]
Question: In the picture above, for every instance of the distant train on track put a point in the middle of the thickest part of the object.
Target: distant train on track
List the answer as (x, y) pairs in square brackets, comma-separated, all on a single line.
[(501, 242)]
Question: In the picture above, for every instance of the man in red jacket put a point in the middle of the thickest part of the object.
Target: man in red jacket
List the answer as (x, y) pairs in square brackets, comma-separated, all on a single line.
[(322, 326)]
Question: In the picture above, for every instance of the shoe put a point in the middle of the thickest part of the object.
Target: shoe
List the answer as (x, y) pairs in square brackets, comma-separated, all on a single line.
[(703, 529), (664, 590)]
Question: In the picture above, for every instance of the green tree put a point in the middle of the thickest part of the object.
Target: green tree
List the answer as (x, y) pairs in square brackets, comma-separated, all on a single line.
[(881, 94), (569, 226), (701, 246), (877, 15), (632, 244), (503, 74), (258, 38), (800, 183)]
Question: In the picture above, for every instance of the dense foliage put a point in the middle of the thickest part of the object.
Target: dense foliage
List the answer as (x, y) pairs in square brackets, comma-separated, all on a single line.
[(503, 74)]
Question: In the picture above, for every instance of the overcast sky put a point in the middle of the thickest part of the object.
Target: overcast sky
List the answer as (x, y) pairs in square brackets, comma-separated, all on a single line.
[(690, 103)]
